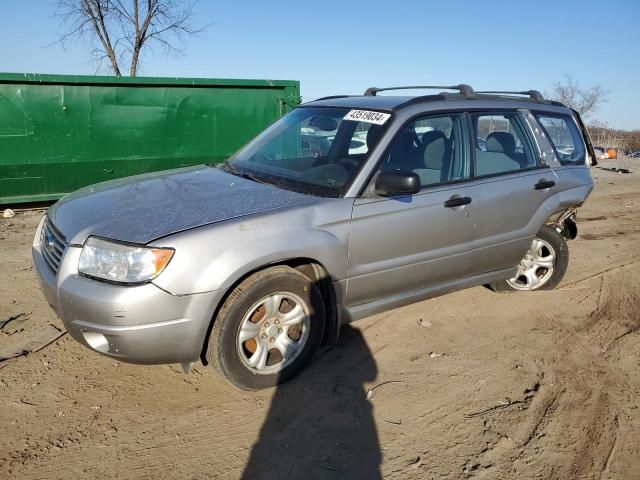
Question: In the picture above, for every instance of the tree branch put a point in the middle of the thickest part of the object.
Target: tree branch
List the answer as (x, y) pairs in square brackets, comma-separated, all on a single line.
[(583, 100), (139, 24)]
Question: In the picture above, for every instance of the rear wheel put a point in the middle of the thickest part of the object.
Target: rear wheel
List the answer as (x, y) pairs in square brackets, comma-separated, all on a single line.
[(542, 268), (268, 328)]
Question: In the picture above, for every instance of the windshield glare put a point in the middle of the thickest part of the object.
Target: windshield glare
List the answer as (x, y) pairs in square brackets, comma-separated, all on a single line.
[(312, 150)]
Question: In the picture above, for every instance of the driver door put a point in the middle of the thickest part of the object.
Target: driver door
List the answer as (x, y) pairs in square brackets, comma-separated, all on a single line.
[(401, 244)]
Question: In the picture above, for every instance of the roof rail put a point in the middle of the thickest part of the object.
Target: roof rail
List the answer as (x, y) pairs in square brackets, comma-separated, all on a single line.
[(464, 89), (330, 97), (535, 95)]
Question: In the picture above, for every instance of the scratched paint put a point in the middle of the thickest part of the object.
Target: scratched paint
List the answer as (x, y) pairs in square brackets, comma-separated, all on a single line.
[(143, 208)]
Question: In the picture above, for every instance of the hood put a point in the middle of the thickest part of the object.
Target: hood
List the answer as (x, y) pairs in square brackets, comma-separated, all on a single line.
[(146, 207)]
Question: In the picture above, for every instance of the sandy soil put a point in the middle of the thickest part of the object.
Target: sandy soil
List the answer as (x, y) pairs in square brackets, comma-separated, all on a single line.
[(472, 384)]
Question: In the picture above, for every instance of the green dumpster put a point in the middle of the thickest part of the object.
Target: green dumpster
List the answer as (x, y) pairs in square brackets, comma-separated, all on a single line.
[(60, 133)]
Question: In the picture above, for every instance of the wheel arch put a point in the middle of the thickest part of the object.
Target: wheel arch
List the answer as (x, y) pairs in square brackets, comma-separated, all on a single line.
[(313, 270), (564, 220)]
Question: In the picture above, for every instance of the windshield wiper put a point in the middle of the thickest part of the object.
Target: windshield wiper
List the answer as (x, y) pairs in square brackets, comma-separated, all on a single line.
[(240, 173)]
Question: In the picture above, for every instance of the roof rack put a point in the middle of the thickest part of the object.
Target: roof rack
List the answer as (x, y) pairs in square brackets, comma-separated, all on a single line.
[(535, 95), (464, 89), (330, 97)]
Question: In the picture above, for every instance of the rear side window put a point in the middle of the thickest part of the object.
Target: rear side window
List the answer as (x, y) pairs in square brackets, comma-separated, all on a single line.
[(501, 143), (565, 136)]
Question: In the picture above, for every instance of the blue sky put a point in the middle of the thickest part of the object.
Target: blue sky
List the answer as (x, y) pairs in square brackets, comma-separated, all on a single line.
[(346, 46)]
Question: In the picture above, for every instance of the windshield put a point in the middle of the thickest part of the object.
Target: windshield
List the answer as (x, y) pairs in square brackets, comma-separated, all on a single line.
[(312, 150)]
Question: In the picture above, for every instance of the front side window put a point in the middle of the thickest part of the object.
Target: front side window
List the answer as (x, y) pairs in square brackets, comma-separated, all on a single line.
[(433, 147), (565, 136), (312, 150), (501, 144)]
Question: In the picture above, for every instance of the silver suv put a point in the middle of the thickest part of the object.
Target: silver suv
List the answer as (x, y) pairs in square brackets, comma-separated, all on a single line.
[(252, 264)]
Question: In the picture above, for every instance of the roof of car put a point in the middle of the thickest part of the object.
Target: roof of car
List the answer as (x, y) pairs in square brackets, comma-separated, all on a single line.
[(386, 102), (370, 100)]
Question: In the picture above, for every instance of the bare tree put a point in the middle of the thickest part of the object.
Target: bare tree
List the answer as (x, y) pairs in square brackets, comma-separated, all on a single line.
[(584, 100), (119, 31), (604, 135)]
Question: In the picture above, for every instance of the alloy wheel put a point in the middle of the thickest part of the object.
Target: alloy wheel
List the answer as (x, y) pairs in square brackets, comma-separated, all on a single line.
[(273, 332), (536, 268)]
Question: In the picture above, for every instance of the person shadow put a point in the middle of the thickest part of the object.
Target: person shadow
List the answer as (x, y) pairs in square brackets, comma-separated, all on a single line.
[(320, 424)]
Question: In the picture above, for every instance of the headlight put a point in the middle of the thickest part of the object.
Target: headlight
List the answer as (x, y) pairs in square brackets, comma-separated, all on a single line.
[(118, 262)]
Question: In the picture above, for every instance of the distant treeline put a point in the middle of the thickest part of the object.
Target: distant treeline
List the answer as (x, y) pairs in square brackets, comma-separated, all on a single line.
[(625, 141)]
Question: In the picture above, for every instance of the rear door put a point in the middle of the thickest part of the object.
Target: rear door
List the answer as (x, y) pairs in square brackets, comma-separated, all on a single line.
[(515, 189), (404, 243), (572, 150)]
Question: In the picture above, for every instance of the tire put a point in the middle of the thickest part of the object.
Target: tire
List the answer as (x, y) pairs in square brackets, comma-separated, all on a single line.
[(549, 248), (279, 311)]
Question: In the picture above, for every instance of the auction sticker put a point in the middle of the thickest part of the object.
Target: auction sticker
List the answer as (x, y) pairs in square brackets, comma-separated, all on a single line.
[(368, 116)]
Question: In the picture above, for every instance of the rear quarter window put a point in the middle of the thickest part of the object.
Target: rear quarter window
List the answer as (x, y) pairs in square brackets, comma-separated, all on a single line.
[(565, 136), (501, 143)]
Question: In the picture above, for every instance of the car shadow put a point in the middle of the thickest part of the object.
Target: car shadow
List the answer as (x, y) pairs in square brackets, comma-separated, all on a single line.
[(320, 424)]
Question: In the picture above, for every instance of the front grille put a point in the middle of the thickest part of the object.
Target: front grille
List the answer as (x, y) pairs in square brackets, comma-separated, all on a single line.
[(53, 245)]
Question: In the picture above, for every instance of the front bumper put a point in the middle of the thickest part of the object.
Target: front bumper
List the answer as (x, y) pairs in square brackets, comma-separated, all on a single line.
[(136, 324)]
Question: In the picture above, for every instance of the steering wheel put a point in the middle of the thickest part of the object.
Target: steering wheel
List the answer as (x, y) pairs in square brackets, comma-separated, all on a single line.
[(319, 161), (349, 164), (260, 156)]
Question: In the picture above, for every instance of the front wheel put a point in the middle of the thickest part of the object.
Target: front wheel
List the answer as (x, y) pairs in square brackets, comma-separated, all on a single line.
[(268, 328), (542, 268)]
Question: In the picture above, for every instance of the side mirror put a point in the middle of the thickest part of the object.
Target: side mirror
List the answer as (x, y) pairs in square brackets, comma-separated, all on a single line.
[(398, 182)]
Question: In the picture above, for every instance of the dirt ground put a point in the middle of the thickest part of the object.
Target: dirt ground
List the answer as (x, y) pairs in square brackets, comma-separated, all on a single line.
[(471, 384)]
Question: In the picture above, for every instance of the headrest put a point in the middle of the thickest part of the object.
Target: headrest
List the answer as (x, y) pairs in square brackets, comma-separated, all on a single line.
[(373, 136), (432, 136), (435, 149), (502, 142)]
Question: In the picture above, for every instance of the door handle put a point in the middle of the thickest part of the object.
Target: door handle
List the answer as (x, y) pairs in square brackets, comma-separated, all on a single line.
[(543, 184), (457, 202)]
